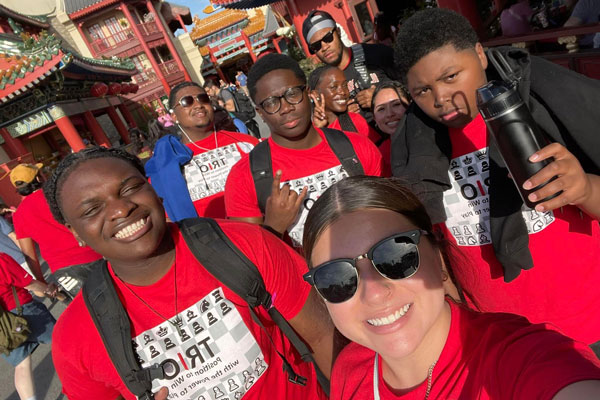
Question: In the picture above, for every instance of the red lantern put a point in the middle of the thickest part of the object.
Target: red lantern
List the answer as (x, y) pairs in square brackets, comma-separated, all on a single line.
[(125, 88), (99, 89), (133, 88), (114, 88)]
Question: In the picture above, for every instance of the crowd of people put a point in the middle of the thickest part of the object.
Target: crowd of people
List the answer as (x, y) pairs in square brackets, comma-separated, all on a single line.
[(373, 247)]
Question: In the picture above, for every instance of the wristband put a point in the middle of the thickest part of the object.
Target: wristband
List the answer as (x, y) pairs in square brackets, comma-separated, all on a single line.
[(273, 231)]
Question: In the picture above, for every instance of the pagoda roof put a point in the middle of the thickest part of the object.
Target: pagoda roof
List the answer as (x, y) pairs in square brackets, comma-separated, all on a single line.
[(170, 11), (79, 8), (25, 61), (216, 22), (39, 21)]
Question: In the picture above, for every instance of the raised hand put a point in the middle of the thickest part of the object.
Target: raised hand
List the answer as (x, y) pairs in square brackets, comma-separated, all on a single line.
[(319, 117), (282, 206)]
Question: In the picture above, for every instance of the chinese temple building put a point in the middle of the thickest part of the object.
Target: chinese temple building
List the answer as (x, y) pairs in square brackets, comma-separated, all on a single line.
[(231, 40), (52, 99)]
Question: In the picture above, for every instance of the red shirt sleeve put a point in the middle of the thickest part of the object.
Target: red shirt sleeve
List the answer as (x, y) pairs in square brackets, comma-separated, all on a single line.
[(281, 267), (12, 273), (240, 193), (20, 221)]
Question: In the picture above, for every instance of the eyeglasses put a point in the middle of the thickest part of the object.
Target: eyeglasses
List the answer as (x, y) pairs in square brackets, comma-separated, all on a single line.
[(395, 257), (293, 95), (316, 46), (188, 101)]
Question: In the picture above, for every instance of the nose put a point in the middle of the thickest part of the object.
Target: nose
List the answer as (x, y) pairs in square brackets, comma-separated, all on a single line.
[(120, 208), (441, 96), (373, 288), (286, 106)]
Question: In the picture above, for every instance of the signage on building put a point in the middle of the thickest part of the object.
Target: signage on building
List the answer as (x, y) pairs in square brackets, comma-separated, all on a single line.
[(30, 124), (222, 42)]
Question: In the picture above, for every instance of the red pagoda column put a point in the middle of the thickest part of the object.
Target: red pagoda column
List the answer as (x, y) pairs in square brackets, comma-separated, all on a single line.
[(96, 130), (297, 19), (276, 44), (213, 59), (181, 23), (118, 123), (144, 45), (170, 45), (66, 127), (127, 115), (248, 45), (13, 146)]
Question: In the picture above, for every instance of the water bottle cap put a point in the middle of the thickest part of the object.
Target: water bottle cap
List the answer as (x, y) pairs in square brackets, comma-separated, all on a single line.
[(497, 97)]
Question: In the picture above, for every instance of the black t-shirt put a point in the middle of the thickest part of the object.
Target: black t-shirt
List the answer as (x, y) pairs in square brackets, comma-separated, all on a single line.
[(379, 61)]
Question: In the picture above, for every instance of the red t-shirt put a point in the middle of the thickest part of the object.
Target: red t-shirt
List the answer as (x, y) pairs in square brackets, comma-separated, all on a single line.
[(561, 288), (363, 128), (223, 350), (486, 356), (317, 168), (58, 246), (13, 274), (207, 172)]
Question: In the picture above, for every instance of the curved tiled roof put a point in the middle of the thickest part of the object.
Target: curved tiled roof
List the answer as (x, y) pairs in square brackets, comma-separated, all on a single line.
[(36, 20), (216, 22)]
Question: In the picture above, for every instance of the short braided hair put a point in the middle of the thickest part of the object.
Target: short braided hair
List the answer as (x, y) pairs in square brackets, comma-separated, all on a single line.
[(52, 187), (428, 30)]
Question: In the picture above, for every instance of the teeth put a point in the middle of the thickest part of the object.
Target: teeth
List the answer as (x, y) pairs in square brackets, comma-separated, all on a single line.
[(390, 319), (130, 229)]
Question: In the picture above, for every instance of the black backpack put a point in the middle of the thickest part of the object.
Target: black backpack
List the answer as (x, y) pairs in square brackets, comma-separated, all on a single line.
[(219, 256), (244, 110), (262, 167)]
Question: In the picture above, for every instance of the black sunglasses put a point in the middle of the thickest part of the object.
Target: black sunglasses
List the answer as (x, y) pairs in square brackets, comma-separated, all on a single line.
[(316, 46), (395, 257), (188, 101)]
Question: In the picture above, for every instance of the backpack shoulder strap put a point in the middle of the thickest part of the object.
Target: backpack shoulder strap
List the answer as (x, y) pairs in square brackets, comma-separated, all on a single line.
[(112, 322), (226, 262), (358, 56), (262, 172), (344, 151)]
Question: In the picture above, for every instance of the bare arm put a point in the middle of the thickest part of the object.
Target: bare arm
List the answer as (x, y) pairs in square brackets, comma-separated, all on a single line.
[(314, 326), (13, 237), (573, 21), (581, 390), (251, 220), (28, 248), (230, 105)]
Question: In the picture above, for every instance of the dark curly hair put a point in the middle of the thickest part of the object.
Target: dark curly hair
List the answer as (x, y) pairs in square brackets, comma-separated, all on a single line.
[(268, 63), (177, 88), (427, 31), (315, 76), (52, 187)]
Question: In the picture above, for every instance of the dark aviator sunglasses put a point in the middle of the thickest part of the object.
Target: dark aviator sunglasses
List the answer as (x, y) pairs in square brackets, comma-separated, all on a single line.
[(316, 46), (188, 101), (395, 257)]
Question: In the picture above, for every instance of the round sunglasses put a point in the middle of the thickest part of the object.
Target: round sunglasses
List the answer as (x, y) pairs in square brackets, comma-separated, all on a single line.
[(395, 257)]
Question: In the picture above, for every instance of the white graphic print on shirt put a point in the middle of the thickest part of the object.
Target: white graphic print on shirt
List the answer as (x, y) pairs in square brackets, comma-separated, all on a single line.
[(213, 356), (206, 173), (467, 202), (317, 184)]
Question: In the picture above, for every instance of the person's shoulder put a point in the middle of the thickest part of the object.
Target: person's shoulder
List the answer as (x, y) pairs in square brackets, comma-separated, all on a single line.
[(354, 357), (240, 137), (64, 337), (377, 50)]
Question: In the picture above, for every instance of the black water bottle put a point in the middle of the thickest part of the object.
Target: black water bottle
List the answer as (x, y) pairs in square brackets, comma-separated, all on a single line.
[(516, 133)]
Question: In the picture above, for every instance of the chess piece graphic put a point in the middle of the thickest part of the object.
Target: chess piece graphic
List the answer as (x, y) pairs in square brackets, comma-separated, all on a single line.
[(153, 352), (190, 315), (204, 306), (224, 309), (211, 319), (217, 295), (248, 379), (466, 230), (454, 164), (218, 393), (147, 339), (471, 241), (483, 239), (471, 171), (232, 385), (238, 395), (479, 228), (259, 366), (457, 175), (169, 343), (197, 327), (183, 335), (456, 231)]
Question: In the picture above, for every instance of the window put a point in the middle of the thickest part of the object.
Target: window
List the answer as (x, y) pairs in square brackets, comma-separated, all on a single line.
[(115, 29), (364, 18)]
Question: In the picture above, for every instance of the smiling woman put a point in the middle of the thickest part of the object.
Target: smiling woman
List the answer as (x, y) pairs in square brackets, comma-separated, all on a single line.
[(180, 315), (378, 266)]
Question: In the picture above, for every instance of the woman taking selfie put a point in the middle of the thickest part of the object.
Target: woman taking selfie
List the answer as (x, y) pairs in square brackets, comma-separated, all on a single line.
[(379, 268)]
